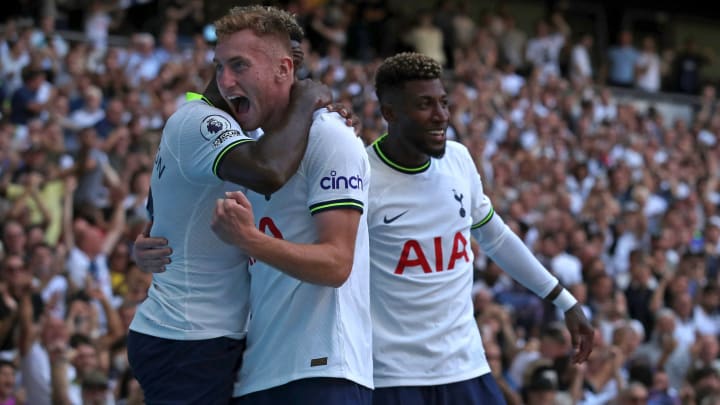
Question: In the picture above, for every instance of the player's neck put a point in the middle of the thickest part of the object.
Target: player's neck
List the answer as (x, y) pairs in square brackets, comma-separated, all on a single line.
[(401, 152)]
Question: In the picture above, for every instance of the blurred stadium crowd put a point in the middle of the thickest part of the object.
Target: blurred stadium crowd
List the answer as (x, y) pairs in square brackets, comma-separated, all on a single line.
[(621, 203)]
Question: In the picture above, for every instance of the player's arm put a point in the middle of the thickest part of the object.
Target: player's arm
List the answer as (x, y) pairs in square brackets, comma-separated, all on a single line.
[(504, 247), (265, 165), (327, 262)]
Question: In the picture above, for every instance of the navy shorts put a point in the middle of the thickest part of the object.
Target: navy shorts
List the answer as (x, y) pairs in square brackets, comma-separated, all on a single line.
[(316, 391), (185, 371), (481, 390)]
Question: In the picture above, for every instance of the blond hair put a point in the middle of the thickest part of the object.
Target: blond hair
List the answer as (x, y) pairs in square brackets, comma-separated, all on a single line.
[(396, 70), (263, 21)]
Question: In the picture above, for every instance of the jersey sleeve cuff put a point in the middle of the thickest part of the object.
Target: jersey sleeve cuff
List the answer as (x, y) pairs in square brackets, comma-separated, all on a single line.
[(337, 204), (485, 220), (220, 156)]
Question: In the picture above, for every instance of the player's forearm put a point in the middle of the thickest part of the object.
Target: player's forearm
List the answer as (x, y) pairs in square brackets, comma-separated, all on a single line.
[(322, 264), (511, 254)]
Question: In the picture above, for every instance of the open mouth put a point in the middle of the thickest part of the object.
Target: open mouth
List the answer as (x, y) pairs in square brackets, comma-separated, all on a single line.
[(239, 104)]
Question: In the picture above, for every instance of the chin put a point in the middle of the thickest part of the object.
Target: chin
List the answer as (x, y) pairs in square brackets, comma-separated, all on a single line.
[(247, 125), (436, 153)]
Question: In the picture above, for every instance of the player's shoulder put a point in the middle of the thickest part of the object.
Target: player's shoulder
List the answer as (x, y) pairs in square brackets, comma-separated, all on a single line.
[(330, 127), (455, 148), (198, 116), (457, 154), (324, 121)]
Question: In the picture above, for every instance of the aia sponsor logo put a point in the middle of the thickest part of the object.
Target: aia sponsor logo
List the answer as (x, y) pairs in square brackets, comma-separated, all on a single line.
[(414, 256)]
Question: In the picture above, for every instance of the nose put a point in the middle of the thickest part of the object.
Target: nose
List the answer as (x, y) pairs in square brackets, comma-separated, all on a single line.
[(225, 78), (441, 112)]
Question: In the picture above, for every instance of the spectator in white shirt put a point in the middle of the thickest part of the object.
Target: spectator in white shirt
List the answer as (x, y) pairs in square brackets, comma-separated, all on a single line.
[(705, 314), (581, 69), (91, 112), (647, 66)]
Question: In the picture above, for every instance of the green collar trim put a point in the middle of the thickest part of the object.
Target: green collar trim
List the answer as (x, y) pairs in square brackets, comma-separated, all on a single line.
[(191, 96), (387, 161)]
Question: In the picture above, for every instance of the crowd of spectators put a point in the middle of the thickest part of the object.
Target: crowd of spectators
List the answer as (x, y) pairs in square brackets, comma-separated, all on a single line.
[(621, 204)]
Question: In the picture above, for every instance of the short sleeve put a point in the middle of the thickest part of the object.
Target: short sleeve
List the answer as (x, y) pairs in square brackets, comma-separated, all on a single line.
[(482, 209), (336, 166), (206, 136)]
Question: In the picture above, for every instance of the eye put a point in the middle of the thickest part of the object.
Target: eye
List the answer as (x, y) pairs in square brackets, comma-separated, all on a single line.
[(238, 66)]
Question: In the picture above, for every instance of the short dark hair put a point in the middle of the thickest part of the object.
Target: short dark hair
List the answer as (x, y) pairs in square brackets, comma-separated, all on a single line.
[(7, 363), (396, 70), (30, 72)]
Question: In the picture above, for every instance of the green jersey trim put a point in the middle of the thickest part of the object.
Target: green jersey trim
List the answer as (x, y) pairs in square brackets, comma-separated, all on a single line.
[(336, 204), (387, 161), (192, 96), (224, 152), (485, 220)]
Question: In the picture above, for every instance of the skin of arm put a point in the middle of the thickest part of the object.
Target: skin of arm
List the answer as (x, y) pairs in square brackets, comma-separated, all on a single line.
[(511, 397), (114, 324), (117, 227), (67, 219), (7, 323), (58, 376), (255, 164), (27, 328), (326, 262)]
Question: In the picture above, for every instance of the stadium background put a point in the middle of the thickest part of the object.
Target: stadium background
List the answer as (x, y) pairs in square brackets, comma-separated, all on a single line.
[(615, 189)]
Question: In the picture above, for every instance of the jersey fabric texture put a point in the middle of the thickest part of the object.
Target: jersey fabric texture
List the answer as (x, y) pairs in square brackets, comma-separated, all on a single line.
[(297, 329), (203, 293), (421, 269)]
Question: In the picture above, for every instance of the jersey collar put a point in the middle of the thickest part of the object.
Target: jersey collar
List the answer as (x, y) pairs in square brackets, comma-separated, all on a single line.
[(191, 96), (387, 161)]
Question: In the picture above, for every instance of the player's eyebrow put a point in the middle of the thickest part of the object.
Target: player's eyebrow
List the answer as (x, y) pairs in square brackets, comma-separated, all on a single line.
[(232, 60)]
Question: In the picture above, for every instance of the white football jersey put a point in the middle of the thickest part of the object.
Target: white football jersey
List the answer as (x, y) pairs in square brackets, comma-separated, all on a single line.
[(297, 329), (421, 269), (204, 292)]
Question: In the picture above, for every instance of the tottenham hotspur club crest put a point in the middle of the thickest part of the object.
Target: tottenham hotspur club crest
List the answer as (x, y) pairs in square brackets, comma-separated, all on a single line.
[(459, 199), (213, 125)]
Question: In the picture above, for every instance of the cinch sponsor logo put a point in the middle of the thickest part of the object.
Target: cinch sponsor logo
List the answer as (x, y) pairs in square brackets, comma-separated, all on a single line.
[(335, 182)]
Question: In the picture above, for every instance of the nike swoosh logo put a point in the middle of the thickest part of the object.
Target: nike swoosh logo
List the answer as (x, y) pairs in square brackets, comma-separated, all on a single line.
[(389, 220)]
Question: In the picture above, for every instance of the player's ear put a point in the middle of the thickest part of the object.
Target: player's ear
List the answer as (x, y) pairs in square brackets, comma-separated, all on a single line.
[(285, 69)]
